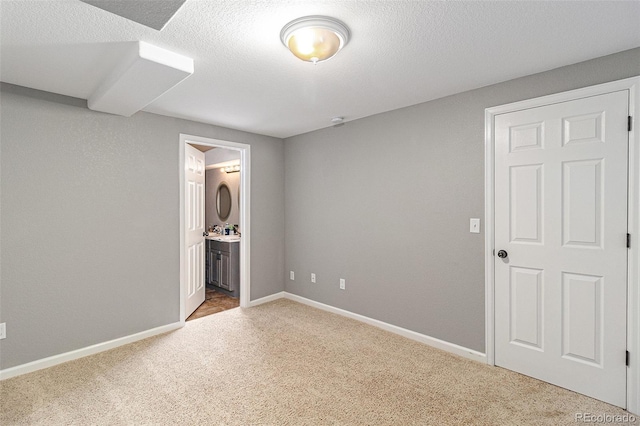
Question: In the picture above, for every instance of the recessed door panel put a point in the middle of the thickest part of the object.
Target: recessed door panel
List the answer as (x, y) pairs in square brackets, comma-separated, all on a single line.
[(192, 260), (587, 128), (526, 307), (191, 202), (527, 136), (192, 163), (582, 203), (199, 166), (582, 317), (199, 202), (199, 277), (526, 203)]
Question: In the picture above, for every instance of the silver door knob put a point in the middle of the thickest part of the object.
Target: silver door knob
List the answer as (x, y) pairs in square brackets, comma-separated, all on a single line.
[(502, 254)]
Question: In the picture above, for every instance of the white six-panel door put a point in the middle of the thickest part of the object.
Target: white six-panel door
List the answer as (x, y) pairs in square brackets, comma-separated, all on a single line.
[(561, 217), (194, 228)]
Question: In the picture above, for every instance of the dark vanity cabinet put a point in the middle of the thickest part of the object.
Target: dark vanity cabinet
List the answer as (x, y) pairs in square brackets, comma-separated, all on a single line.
[(223, 266)]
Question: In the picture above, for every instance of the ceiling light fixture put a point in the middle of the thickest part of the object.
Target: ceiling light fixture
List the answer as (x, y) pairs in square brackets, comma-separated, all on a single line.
[(315, 38), (231, 169)]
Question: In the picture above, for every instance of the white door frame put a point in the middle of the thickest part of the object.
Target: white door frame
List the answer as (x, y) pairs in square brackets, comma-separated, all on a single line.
[(633, 280), (245, 223)]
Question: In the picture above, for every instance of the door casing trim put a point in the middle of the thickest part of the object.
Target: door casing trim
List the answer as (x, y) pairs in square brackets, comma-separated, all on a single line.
[(633, 274), (245, 210)]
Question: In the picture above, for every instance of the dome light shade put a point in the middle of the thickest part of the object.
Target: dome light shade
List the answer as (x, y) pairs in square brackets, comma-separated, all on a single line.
[(315, 38)]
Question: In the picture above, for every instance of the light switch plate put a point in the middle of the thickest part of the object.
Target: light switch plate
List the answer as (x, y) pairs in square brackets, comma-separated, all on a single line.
[(474, 226), (3, 330)]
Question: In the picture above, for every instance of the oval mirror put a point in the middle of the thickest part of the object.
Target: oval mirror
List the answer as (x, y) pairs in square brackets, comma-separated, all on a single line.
[(223, 201)]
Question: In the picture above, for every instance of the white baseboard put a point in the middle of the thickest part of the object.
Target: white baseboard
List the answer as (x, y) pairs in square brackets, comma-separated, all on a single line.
[(267, 299), (29, 367), (422, 338), (100, 347)]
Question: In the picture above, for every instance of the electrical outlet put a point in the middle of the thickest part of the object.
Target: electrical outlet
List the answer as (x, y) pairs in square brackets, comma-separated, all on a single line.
[(3, 330), (292, 276), (342, 283), (313, 277)]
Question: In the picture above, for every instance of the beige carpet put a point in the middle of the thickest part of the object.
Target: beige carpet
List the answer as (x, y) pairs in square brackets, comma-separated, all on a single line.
[(283, 363)]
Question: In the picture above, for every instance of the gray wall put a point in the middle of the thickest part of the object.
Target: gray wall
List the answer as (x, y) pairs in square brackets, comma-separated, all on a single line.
[(213, 178), (385, 202), (90, 222)]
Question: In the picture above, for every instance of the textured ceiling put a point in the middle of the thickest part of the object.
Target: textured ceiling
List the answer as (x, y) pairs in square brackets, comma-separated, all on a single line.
[(155, 17), (401, 53)]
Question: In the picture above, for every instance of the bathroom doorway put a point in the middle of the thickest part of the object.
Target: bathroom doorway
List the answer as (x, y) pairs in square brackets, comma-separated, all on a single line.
[(229, 163), (222, 222)]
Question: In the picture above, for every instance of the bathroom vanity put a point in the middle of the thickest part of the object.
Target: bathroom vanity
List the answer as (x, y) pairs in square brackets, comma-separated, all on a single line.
[(223, 264)]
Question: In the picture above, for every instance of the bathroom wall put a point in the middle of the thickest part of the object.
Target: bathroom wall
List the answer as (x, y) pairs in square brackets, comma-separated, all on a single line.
[(90, 221), (214, 177), (220, 155)]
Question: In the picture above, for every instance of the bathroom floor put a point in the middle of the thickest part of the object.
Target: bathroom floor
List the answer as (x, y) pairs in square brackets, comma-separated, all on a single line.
[(214, 302)]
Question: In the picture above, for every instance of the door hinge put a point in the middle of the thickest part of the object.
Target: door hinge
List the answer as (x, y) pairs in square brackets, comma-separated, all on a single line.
[(628, 240), (629, 123), (628, 358)]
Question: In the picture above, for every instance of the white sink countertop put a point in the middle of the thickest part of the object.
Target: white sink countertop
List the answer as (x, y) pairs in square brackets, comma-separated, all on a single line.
[(224, 238)]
